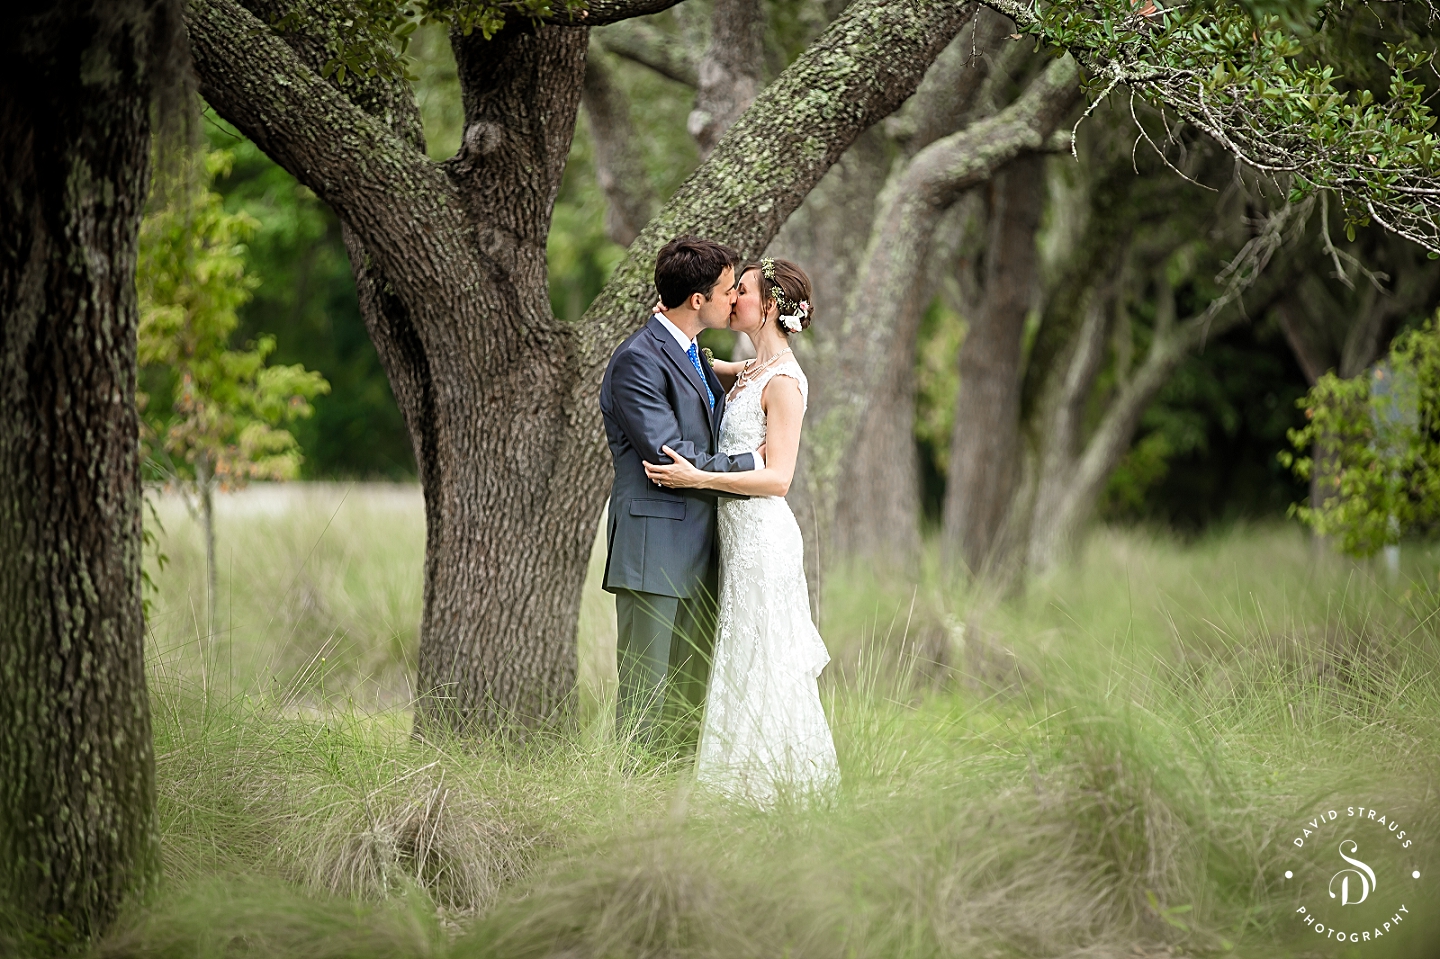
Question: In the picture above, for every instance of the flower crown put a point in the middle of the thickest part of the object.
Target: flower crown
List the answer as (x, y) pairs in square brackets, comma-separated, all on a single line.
[(791, 314)]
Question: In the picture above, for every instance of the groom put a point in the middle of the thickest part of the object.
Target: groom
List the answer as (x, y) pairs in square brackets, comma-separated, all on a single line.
[(659, 390)]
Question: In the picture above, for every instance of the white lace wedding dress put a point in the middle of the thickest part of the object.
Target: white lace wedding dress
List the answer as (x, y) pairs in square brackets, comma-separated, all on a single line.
[(764, 734)]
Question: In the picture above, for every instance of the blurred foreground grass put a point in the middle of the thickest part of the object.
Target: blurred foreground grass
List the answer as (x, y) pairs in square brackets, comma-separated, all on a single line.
[(1114, 765)]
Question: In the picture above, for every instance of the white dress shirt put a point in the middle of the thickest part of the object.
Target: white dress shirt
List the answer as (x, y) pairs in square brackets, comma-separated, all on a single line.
[(684, 341), (685, 344)]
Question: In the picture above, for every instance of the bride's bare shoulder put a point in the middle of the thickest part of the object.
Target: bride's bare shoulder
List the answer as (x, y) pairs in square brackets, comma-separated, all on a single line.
[(787, 379), (790, 369)]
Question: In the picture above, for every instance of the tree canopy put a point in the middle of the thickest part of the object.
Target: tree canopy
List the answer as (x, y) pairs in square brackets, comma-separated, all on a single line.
[(221, 411), (1266, 80), (450, 254)]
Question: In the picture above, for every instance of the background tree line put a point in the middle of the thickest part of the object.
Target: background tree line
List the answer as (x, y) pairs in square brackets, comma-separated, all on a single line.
[(1203, 446), (1147, 259)]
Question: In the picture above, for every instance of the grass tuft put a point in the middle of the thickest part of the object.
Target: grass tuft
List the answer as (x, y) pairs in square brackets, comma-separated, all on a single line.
[(247, 917)]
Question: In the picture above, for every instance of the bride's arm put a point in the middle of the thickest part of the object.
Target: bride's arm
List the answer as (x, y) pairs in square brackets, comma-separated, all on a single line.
[(784, 409), (726, 371)]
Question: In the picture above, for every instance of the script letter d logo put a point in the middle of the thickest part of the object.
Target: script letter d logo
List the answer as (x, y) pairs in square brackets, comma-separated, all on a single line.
[(1362, 873)]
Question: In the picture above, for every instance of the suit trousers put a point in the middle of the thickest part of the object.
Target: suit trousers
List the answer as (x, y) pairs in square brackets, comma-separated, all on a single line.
[(663, 650)]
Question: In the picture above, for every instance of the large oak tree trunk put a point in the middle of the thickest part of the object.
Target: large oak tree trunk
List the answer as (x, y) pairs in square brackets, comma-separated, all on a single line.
[(619, 166), (492, 473), (501, 399), (78, 830), (729, 73), (985, 445)]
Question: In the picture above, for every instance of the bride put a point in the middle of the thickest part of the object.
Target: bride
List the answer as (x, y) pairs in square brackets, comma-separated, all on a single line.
[(764, 733)]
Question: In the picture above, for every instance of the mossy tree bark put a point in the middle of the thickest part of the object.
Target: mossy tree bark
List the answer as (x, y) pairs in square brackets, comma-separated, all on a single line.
[(501, 399), (78, 831)]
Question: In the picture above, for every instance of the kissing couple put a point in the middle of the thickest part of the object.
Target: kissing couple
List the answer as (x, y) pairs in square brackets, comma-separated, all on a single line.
[(701, 445)]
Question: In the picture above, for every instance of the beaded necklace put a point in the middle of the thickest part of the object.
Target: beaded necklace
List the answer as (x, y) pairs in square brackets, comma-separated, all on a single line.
[(751, 371)]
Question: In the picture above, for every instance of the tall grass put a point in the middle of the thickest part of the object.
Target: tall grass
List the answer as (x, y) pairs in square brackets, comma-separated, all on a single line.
[(320, 585), (320, 593), (1112, 765)]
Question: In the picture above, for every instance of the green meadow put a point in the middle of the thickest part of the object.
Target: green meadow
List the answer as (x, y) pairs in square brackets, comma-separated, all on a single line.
[(1116, 763)]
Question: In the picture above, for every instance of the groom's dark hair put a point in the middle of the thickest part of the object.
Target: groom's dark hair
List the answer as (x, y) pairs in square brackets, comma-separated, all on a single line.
[(688, 264)]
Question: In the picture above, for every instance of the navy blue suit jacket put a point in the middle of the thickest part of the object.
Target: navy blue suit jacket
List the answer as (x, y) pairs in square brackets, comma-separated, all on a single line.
[(661, 540)]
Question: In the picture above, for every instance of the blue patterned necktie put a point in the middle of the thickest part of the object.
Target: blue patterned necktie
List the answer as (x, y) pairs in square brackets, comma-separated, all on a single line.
[(694, 355)]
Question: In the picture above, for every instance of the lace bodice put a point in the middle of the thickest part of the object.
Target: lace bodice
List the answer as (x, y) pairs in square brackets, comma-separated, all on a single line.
[(743, 428)]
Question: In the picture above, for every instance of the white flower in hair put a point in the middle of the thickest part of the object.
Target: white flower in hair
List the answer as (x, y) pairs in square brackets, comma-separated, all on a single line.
[(792, 321)]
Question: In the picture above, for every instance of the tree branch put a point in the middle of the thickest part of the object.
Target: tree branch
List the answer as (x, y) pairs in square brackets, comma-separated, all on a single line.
[(948, 95), (953, 164), (643, 44), (383, 188), (391, 102), (864, 65), (1086, 476), (388, 99), (935, 179), (1249, 121), (600, 12)]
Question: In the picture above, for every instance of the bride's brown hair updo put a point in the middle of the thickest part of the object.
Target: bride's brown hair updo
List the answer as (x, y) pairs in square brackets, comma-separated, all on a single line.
[(785, 283)]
